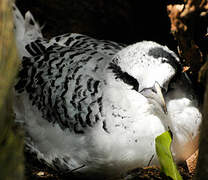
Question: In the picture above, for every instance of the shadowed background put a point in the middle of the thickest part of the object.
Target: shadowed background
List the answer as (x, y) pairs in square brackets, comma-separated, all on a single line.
[(118, 20)]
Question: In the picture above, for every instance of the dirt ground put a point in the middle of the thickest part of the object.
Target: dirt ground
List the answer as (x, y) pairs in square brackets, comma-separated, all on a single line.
[(36, 170)]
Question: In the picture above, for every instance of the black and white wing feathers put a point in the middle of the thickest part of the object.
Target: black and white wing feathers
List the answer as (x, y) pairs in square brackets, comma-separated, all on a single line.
[(63, 79)]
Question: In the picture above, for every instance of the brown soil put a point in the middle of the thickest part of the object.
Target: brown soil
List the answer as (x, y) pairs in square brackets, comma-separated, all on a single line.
[(36, 170)]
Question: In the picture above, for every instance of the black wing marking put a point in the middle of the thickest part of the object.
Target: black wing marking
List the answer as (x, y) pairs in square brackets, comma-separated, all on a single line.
[(60, 84)]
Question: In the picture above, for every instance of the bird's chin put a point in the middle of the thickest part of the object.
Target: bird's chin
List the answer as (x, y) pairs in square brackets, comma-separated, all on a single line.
[(158, 108)]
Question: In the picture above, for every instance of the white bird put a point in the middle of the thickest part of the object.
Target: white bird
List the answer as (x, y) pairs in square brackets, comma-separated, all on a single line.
[(95, 107)]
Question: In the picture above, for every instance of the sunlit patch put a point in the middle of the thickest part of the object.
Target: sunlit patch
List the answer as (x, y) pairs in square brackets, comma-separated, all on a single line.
[(40, 173), (185, 68)]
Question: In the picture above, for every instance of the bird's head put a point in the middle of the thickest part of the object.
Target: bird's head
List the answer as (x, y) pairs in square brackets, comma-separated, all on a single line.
[(148, 67)]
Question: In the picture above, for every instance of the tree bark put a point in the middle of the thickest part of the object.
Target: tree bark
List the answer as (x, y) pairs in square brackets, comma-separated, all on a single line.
[(191, 37), (11, 138), (189, 26), (202, 168)]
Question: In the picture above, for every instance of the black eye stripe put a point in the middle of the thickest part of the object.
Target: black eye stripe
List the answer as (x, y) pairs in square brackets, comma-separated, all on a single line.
[(130, 80), (124, 76)]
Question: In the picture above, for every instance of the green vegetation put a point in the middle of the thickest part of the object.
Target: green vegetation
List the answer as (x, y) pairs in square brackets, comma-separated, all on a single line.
[(168, 167)]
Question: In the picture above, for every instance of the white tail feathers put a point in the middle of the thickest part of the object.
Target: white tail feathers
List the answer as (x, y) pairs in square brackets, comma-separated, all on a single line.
[(18, 22), (26, 30), (32, 28)]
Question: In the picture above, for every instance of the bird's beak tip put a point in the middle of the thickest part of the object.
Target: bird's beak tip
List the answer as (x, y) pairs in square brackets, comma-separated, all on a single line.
[(165, 110)]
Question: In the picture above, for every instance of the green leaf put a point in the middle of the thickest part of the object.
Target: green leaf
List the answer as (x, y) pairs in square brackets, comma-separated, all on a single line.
[(168, 167)]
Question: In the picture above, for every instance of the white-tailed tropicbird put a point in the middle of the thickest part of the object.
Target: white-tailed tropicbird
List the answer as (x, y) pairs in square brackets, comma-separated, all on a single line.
[(95, 107)]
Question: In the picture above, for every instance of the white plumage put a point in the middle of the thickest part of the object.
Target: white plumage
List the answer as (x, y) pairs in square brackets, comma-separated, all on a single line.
[(95, 107)]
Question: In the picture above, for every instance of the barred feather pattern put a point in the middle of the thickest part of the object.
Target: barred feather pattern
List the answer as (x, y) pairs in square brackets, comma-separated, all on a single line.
[(62, 81)]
